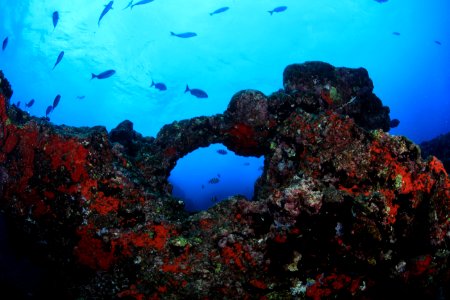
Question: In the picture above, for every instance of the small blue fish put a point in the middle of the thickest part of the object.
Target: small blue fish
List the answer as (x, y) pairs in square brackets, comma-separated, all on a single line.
[(396, 33), (184, 35), (220, 10), (196, 92), (58, 60), (277, 9), (141, 2), (222, 151), (5, 43), (104, 75), (81, 97), (129, 4), (381, 1), (56, 101), (214, 180), (438, 43), (107, 8), (55, 19), (30, 103), (394, 123), (159, 85), (48, 110)]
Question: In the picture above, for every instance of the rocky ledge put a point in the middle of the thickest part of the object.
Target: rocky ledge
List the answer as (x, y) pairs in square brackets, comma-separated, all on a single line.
[(342, 209)]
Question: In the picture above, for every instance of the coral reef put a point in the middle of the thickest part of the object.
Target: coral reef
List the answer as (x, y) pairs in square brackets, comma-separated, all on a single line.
[(341, 210), (439, 147)]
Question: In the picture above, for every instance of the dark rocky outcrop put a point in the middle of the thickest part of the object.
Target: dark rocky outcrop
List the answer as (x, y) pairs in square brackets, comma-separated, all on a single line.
[(439, 147), (342, 210)]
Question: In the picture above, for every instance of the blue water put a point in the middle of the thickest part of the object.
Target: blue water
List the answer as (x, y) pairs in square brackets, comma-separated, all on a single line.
[(242, 47)]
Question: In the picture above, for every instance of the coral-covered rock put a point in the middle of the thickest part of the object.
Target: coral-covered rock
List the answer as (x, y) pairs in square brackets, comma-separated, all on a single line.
[(439, 147), (341, 210)]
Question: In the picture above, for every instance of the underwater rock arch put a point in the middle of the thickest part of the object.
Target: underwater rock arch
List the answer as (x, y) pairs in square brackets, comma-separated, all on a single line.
[(338, 206)]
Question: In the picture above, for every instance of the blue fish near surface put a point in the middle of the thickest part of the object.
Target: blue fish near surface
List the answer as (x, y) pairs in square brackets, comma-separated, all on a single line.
[(159, 85), (277, 9), (104, 75), (381, 1), (5, 43), (219, 10), (141, 2), (55, 19), (107, 8), (58, 60), (129, 4), (196, 92), (184, 34)]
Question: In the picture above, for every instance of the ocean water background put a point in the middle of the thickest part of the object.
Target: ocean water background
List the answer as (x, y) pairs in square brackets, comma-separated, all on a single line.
[(244, 47)]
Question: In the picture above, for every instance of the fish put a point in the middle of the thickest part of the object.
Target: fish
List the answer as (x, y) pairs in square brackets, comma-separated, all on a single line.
[(214, 180), (381, 1), (277, 9), (396, 33), (159, 85), (58, 60), (107, 8), (219, 10), (104, 75), (439, 43), (48, 110), (218, 175), (81, 97), (196, 92), (56, 101), (129, 4), (222, 151), (214, 199), (203, 186), (30, 103), (55, 19), (184, 35), (141, 2), (246, 164), (394, 123), (5, 43)]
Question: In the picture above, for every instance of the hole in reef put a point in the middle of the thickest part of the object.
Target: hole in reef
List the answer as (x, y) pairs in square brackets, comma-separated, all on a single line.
[(209, 175)]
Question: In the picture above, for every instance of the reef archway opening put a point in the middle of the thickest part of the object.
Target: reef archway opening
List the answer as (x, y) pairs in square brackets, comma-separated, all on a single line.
[(211, 174)]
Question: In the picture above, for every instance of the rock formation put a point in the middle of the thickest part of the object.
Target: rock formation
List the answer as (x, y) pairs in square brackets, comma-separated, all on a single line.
[(342, 209)]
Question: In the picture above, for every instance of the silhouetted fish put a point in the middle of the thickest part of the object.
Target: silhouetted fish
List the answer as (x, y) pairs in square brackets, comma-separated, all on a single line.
[(277, 9), (60, 56), (81, 97), (5, 43), (246, 164), (48, 110), (141, 2), (381, 1), (396, 33), (184, 34), (30, 103), (56, 101), (55, 19), (218, 175), (129, 4), (203, 186), (104, 75), (220, 10), (439, 43), (214, 180), (222, 151), (107, 8), (159, 85), (196, 92), (394, 123)]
